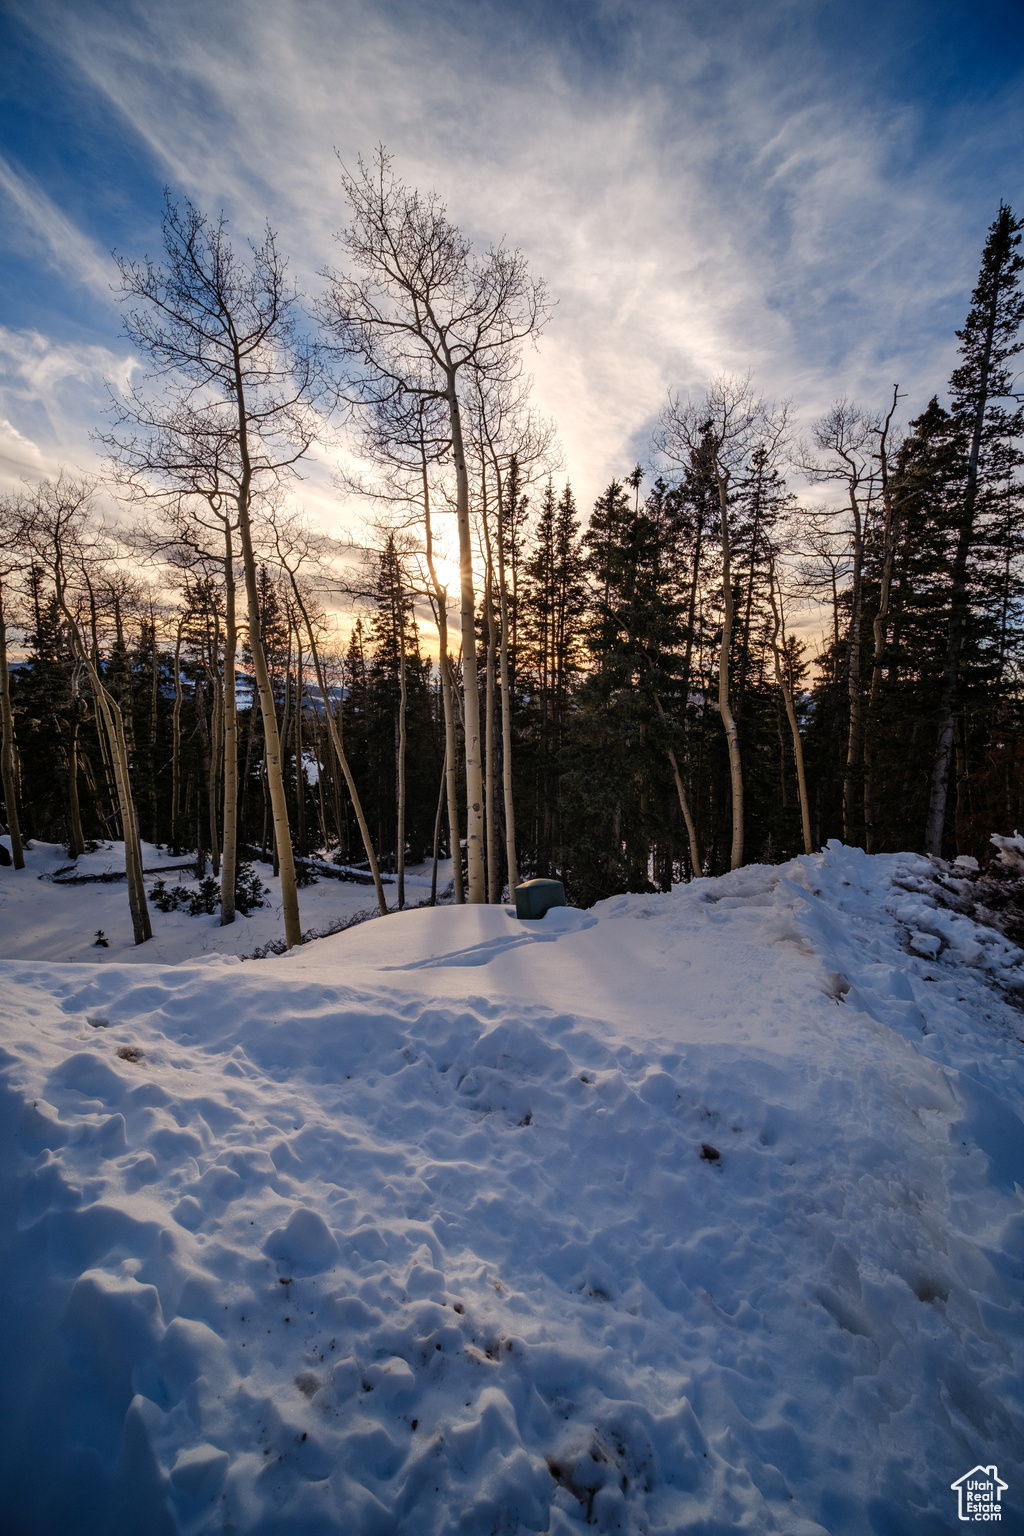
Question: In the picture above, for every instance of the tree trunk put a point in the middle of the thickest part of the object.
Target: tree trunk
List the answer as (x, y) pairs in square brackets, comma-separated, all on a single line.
[(271, 737), (199, 696), (470, 693), (878, 628), (74, 804), (724, 705), (854, 751), (493, 880), (9, 774), (229, 865), (176, 747), (437, 832), (154, 722), (402, 702), (108, 707), (684, 804), (506, 720), (441, 619), (339, 752), (787, 694), (216, 748), (300, 761)]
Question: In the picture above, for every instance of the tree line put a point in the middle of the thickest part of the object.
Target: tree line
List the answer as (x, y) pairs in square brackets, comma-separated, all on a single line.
[(622, 702)]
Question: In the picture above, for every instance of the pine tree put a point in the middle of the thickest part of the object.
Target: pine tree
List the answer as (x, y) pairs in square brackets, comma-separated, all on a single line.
[(985, 434)]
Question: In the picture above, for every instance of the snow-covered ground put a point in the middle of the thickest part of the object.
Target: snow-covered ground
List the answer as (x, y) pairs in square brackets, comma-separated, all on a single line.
[(694, 1213), (41, 919)]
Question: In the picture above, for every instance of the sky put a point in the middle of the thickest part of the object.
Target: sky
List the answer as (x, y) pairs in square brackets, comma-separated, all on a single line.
[(801, 188)]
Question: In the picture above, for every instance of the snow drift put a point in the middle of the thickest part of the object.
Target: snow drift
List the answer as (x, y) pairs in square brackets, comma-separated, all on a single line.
[(694, 1213)]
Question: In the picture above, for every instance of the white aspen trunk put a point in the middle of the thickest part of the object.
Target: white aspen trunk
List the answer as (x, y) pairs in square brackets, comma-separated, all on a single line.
[(132, 851), (470, 693), (230, 862), (724, 704), (339, 753), (300, 762), (493, 881), (74, 804), (437, 830), (154, 705), (441, 619), (216, 744), (451, 766), (787, 693), (506, 715), (879, 627), (271, 736), (107, 708), (402, 702), (9, 774), (684, 804), (176, 744), (853, 746), (321, 802), (493, 878), (271, 746), (504, 687)]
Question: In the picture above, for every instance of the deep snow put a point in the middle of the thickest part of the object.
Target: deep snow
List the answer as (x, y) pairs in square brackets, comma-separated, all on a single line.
[(693, 1213), (43, 920)]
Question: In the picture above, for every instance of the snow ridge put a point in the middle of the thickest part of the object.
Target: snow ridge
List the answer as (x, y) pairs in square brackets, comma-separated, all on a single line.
[(419, 1231)]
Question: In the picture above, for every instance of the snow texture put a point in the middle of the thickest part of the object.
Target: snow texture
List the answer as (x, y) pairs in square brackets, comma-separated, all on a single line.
[(695, 1213), (42, 918)]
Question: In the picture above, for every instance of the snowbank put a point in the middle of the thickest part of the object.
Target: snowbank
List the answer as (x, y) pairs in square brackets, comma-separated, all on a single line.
[(694, 1213)]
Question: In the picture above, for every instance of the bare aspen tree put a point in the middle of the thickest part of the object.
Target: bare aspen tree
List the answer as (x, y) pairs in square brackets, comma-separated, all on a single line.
[(437, 834), (722, 430), (493, 883), (295, 546), (56, 531), (233, 386), (402, 745), (784, 679), (424, 315), (508, 433), (406, 440), (840, 452), (438, 596), (198, 532), (176, 738)]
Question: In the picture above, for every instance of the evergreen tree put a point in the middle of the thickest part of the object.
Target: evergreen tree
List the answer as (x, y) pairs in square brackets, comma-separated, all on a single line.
[(986, 435)]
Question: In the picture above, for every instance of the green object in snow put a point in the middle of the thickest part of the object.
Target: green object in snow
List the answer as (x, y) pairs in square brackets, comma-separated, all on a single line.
[(535, 897)]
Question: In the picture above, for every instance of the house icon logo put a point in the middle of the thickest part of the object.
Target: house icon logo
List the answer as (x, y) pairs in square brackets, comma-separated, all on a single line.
[(979, 1494)]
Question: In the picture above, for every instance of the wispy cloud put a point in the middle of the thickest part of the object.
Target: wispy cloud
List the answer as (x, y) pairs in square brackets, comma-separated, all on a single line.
[(56, 394), (46, 229), (704, 187)]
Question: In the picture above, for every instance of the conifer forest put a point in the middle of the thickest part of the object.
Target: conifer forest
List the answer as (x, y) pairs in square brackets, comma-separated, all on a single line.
[(774, 631)]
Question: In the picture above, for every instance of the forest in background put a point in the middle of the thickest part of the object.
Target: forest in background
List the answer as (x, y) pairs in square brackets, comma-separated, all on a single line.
[(635, 708)]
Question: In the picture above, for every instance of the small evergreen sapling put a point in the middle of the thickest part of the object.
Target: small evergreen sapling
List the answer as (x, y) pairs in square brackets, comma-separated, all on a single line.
[(250, 893)]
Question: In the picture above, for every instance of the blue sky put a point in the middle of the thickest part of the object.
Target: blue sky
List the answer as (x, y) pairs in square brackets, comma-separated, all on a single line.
[(798, 188)]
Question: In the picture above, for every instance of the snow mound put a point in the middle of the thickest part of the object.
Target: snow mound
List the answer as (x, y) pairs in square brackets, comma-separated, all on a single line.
[(695, 1213)]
